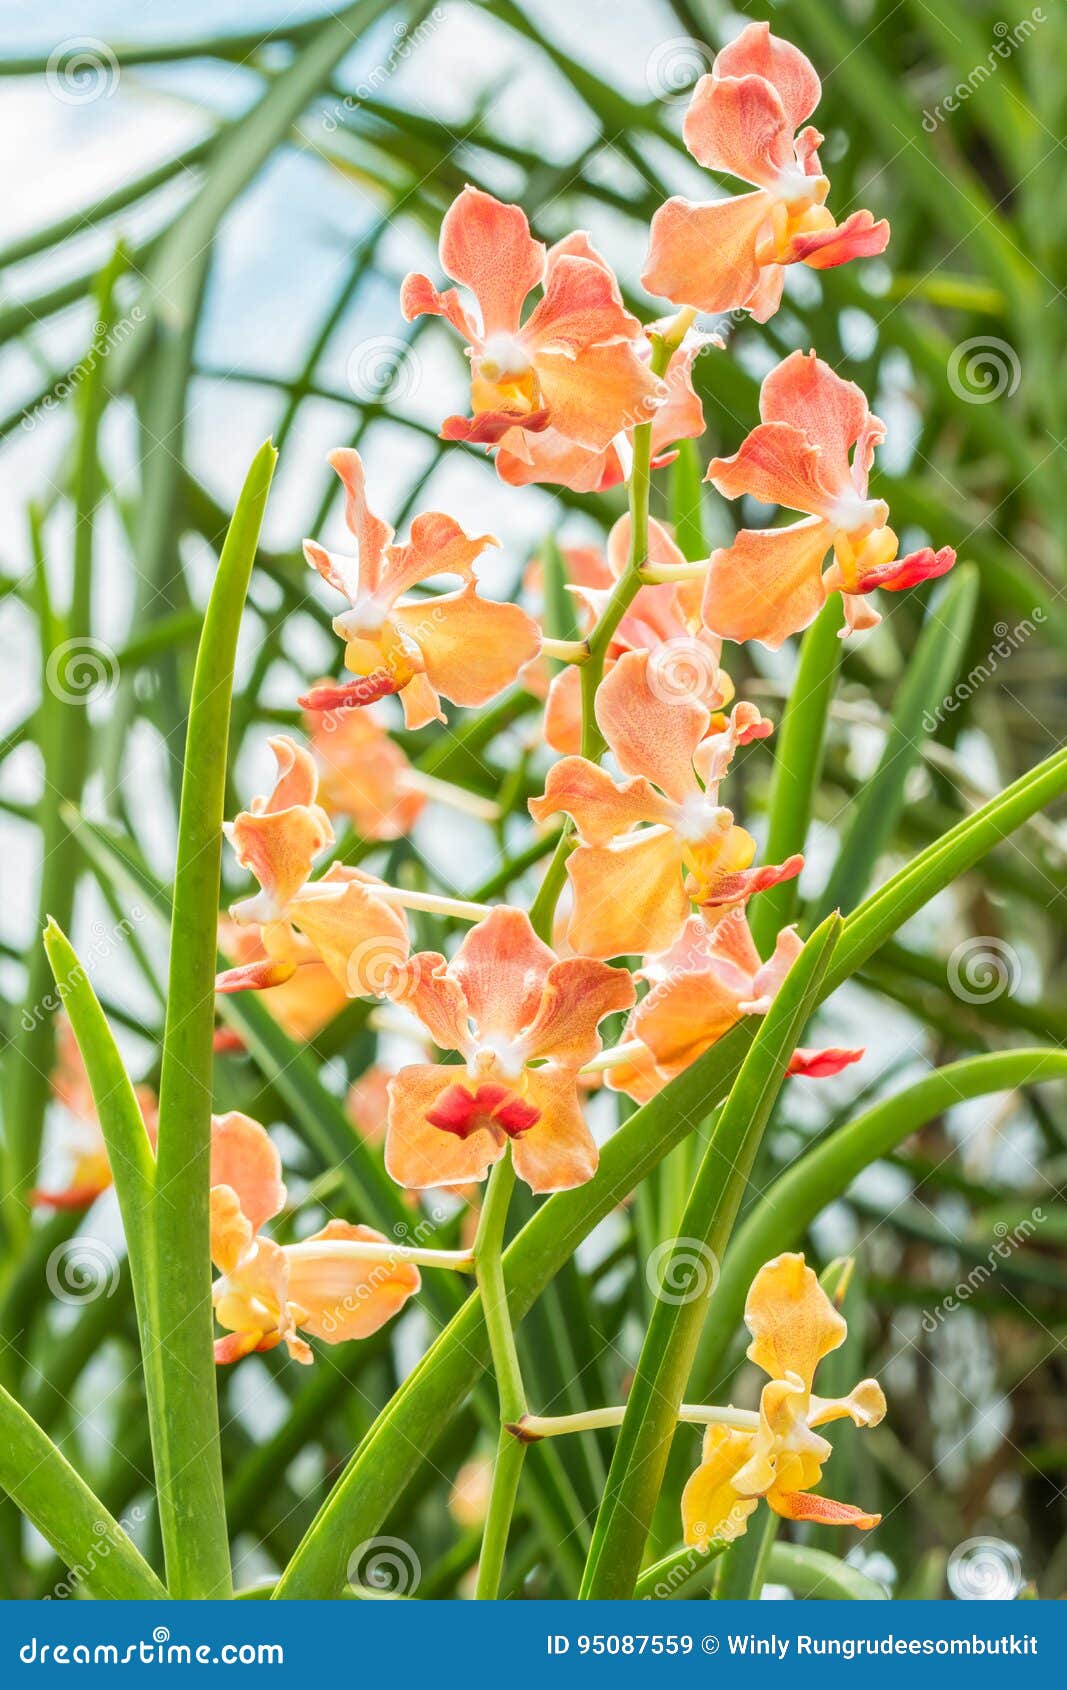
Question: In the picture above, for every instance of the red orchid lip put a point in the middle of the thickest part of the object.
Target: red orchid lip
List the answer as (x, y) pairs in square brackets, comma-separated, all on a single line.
[(351, 695), (461, 1112), (895, 577)]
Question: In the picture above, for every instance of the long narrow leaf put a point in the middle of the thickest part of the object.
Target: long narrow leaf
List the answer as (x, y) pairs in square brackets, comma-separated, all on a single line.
[(190, 1472)]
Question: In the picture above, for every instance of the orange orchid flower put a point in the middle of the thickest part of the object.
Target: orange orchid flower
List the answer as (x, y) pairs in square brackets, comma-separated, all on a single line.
[(794, 1325), (572, 367), (769, 584), (303, 1003), (524, 1023), (743, 120), (636, 837), (273, 1292), (709, 979), (362, 772), (89, 1172), (549, 457), (456, 645), (663, 620), (340, 921)]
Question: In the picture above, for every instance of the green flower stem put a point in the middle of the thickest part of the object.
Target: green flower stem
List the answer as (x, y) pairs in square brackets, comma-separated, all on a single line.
[(658, 574), (488, 1248), (433, 903), (663, 348), (596, 646), (532, 1427), (189, 1466), (446, 792), (543, 908)]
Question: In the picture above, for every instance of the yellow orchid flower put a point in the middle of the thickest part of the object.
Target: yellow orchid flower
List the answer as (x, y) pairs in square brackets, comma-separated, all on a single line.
[(794, 1325)]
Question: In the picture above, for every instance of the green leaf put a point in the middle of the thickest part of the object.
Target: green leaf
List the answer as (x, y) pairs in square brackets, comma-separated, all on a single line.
[(129, 1150), (68, 653), (670, 1344), (680, 1573), (812, 1573), (798, 762), (685, 490), (43, 1484), (189, 1469), (928, 679), (559, 620)]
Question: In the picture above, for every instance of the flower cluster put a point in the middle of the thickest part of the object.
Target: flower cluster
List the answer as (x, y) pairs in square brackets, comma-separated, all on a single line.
[(656, 871)]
